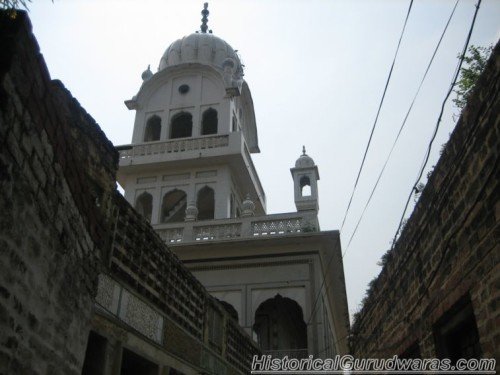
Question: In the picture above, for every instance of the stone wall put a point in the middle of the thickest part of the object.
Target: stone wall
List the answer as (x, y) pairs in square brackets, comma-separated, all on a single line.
[(449, 250), (63, 223), (57, 170)]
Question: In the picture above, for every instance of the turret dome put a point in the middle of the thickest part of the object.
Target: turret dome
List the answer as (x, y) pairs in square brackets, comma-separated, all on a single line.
[(304, 161), (202, 48)]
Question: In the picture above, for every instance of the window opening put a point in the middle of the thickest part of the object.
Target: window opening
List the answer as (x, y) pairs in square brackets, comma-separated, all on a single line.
[(181, 125), (173, 207), (206, 203), (209, 122), (305, 186), (153, 129), (144, 205)]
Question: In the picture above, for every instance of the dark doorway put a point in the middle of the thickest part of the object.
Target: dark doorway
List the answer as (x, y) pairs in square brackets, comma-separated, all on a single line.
[(95, 356), (134, 364), (280, 328)]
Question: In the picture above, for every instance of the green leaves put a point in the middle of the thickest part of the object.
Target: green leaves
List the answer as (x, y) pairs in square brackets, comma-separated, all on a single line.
[(476, 61)]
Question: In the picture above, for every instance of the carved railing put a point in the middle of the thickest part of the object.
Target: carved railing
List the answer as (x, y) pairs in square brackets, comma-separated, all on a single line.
[(249, 227), (174, 145), (277, 227), (217, 232)]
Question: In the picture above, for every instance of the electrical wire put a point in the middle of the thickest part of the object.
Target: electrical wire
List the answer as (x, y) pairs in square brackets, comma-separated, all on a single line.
[(436, 128), (457, 71), (364, 156), (402, 126), (376, 117)]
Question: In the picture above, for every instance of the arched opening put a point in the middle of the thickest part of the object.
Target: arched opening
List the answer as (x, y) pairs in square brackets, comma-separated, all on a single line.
[(181, 125), (280, 328), (209, 122), (305, 186), (229, 309), (153, 129), (144, 205), (173, 207), (206, 203)]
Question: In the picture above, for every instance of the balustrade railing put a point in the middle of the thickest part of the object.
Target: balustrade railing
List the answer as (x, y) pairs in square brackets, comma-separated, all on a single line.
[(174, 145), (249, 227), (216, 232)]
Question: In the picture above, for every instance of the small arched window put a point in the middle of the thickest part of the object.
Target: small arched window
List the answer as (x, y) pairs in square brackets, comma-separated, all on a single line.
[(305, 186), (181, 125), (173, 207), (206, 203), (153, 129), (144, 205), (209, 122)]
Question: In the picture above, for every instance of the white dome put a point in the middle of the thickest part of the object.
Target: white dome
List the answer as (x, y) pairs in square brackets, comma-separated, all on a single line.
[(204, 49), (304, 161)]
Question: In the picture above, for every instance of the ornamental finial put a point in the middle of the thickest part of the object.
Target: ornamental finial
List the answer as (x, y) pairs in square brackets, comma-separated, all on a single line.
[(204, 20), (303, 150)]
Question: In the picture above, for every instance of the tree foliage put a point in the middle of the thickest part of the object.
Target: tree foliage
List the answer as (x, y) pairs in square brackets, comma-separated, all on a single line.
[(475, 61), (14, 4), (11, 5)]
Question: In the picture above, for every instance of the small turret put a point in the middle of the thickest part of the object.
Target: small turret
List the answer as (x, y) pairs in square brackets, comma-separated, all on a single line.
[(305, 180)]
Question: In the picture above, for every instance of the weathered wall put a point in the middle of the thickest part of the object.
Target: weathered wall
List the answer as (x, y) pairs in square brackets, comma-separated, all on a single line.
[(450, 246), (62, 223), (57, 170)]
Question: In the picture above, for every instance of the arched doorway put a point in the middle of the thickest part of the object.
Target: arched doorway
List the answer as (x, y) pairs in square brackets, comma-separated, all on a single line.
[(280, 328)]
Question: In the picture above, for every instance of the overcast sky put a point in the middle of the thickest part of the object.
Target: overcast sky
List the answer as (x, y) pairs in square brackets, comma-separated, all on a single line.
[(316, 70)]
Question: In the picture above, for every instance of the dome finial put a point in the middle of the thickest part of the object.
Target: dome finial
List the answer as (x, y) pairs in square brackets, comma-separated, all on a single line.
[(204, 20), (303, 150)]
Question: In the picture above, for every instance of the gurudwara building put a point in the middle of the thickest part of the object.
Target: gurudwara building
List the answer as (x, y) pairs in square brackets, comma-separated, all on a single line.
[(186, 273), (189, 171)]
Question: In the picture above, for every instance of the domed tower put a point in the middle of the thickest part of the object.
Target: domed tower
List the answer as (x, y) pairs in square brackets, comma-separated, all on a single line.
[(193, 135), (189, 171), (305, 183)]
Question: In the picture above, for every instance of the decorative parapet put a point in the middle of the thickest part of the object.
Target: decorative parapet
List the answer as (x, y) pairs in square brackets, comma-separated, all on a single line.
[(173, 146), (244, 227), (118, 301)]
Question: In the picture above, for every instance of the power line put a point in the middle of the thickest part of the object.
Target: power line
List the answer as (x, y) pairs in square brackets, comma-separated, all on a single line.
[(402, 126), (364, 157), (456, 164), (456, 73), (376, 117), (436, 128)]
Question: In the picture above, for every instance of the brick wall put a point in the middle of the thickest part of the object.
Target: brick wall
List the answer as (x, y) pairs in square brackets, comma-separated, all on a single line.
[(57, 171), (449, 249), (62, 223)]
